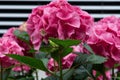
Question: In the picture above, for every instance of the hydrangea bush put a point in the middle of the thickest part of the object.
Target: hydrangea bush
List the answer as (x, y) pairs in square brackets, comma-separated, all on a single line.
[(63, 41)]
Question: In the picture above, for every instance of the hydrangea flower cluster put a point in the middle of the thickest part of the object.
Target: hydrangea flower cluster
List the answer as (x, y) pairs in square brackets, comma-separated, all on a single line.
[(104, 39), (58, 19), (8, 46)]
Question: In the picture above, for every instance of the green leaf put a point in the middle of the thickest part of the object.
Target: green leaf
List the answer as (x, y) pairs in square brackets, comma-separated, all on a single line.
[(45, 61), (67, 74), (95, 59), (5, 73), (32, 51), (66, 51), (118, 76), (40, 55), (80, 59), (116, 65), (26, 78), (55, 55), (82, 72), (46, 48), (53, 44), (32, 62), (21, 78), (89, 59), (65, 43), (22, 35), (18, 76), (50, 78), (88, 48)]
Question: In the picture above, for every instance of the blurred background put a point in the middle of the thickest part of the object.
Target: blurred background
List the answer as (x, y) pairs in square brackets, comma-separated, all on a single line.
[(14, 12)]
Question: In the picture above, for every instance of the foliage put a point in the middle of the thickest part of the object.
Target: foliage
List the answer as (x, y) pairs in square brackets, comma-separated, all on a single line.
[(82, 65)]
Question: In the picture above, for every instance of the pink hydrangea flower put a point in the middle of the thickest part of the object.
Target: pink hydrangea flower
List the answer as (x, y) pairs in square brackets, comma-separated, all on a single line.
[(58, 19), (20, 67), (10, 34), (67, 62), (100, 77), (104, 39), (108, 76), (8, 46)]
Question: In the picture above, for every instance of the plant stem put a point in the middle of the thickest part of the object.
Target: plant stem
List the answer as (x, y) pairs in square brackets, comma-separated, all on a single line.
[(104, 77), (113, 74), (60, 67), (104, 74), (1, 68), (36, 75), (55, 67)]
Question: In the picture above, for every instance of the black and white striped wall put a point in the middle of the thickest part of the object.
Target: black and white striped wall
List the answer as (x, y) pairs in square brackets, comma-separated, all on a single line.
[(15, 12)]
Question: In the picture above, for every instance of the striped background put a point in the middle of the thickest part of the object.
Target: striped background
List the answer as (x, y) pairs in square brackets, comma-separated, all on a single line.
[(15, 12)]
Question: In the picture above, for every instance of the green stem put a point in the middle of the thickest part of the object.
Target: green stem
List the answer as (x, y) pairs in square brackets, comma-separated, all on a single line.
[(60, 67), (113, 74), (55, 67), (36, 75), (104, 74), (104, 77), (1, 71)]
